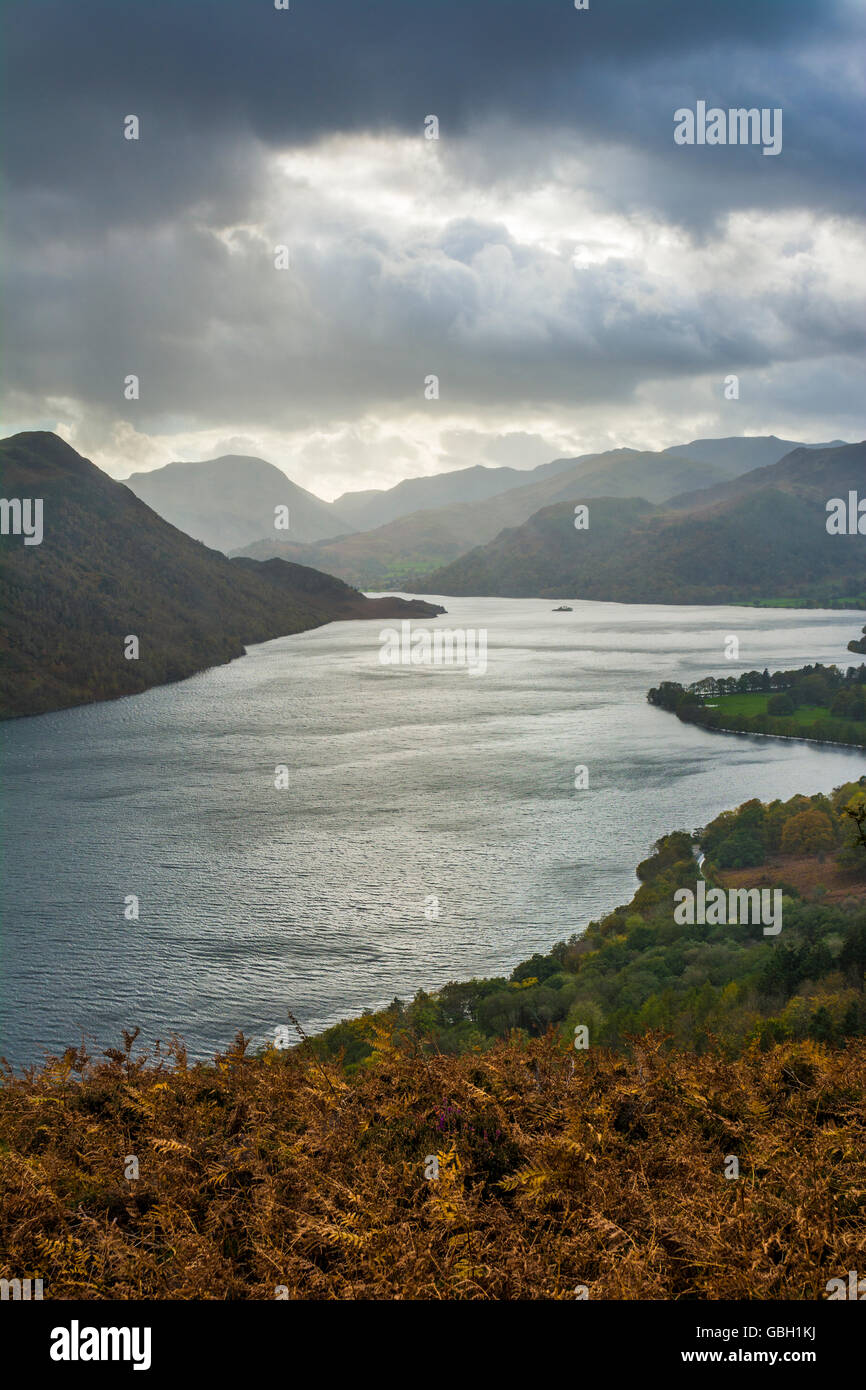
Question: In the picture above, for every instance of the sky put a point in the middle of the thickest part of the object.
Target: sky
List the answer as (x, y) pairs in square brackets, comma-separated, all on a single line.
[(574, 279)]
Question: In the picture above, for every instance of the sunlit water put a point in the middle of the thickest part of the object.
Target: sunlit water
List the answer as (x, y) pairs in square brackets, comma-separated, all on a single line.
[(405, 784)]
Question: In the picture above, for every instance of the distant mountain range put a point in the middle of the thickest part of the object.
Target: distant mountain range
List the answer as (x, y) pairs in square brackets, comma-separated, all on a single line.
[(722, 458), (397, 554), (108, 568), (367, 510), (388, 538), (229, 502), (760, 537)]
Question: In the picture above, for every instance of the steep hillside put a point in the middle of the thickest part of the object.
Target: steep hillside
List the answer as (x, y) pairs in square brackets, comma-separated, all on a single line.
[(391, 556), (760, 537), (810, 473), (109, 568), (229, 501)]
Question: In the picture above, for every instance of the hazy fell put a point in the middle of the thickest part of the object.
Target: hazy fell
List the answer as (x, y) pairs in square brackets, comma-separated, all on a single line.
[(229, 501)]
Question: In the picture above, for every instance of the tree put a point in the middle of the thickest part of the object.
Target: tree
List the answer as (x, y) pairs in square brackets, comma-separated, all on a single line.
[(780, 705), (853, 953), (821, 1025), (740, 851), (853, 853), (810, 832), (812, 690)]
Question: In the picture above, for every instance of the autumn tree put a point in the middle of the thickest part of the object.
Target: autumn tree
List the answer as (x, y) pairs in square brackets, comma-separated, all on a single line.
[(809, 832)]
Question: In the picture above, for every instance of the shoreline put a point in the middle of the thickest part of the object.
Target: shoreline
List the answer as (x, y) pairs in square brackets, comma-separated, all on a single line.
[(786, 738)]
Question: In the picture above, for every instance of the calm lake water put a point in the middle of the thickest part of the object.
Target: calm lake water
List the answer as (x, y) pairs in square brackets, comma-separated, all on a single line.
[(404, 784)]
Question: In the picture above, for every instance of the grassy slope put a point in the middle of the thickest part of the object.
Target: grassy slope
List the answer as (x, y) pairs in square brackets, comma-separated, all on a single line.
[(755, 702)]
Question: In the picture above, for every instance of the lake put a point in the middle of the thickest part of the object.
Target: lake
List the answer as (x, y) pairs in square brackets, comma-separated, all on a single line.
[(405, 784)]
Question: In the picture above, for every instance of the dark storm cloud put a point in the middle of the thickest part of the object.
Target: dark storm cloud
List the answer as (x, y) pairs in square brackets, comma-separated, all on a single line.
[(209, 77)]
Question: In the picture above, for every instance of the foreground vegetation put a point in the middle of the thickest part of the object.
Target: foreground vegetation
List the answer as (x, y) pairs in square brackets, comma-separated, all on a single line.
[(563, 1171), (560, 1176)]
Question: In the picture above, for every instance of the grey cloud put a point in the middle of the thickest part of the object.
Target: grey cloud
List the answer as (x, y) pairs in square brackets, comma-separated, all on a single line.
[(220, 335), (116, 265)]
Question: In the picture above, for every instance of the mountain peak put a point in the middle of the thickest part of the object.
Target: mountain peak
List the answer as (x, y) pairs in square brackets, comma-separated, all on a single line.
[(231, 501), (47, 447)]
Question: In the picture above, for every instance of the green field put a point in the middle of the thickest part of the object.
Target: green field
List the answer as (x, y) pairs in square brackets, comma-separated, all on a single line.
[(755, 702)]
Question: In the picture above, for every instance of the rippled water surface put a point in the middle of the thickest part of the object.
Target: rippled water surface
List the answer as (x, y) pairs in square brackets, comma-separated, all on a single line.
[(404, 783)]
